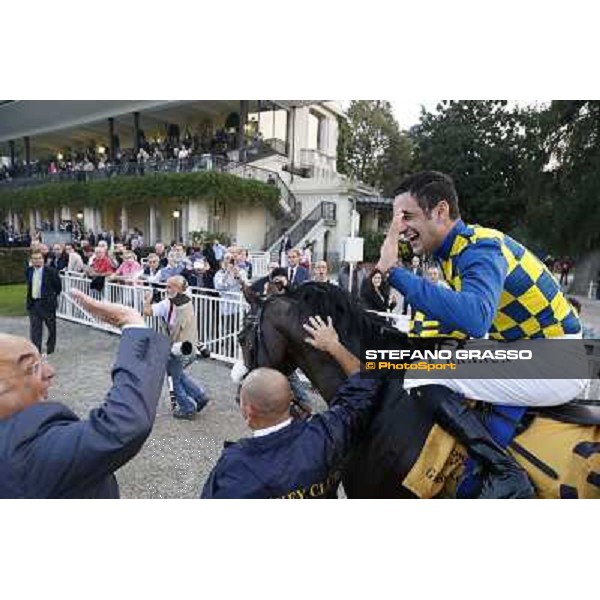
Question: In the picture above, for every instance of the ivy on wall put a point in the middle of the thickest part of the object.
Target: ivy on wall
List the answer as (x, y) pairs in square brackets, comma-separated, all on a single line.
[(209, 186)]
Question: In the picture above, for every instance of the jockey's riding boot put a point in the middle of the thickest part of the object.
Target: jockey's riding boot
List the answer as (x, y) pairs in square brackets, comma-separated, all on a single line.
[(503, 477)]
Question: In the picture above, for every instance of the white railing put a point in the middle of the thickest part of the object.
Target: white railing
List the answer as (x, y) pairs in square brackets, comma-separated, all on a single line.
[(219, 315), (399, 321)]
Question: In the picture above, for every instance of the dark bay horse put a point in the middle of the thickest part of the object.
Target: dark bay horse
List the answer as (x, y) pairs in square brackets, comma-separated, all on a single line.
[(562, 459)]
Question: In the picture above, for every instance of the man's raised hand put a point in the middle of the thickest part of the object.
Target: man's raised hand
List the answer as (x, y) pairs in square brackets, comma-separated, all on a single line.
[(115, 314)]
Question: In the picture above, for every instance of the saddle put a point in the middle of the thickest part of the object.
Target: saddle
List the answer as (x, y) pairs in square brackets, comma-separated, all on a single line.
[(578, 412)]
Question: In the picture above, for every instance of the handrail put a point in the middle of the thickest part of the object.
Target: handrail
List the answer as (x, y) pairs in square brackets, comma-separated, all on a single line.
[(323, 211), (250, 171)]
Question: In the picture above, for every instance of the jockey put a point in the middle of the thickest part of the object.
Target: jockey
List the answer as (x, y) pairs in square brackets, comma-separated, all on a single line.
[(499, 290)]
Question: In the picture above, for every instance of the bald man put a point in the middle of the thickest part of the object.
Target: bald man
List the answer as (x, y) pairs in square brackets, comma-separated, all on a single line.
[(294, 459), (176, 312), (46, 451)]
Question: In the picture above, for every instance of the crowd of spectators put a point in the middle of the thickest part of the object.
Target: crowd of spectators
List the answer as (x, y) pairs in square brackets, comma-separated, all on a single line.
[(10, 238), (150, 154)]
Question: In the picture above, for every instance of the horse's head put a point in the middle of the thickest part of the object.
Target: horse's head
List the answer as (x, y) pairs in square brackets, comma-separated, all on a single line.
[(262, 342), (273, 335)]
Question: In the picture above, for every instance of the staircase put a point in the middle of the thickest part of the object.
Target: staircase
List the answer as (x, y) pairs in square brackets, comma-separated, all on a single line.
[(291, 208), (300, 230)]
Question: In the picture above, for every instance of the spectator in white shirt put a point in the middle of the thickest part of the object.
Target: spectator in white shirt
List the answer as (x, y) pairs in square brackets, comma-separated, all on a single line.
[(75, 263)]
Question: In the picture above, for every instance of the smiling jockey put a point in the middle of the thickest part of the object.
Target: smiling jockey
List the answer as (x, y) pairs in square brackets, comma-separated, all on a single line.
[(499, 290)]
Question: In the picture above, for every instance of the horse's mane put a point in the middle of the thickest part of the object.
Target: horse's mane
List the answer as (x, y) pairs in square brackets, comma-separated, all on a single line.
[(350, 319)]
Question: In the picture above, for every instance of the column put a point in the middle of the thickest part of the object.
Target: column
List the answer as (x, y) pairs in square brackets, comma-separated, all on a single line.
[(98, 218), (111, 139), (136, 131), (27, 152), (242, 128), (65, 213), (124, 221), (56, 219), (31, 222), (152, 234), (185, 221), (12, 152), (38, 218), (88, 219), (198, 215)]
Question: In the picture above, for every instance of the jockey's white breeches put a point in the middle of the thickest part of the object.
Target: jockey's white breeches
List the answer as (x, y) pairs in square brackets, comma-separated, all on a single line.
[(537, 391)]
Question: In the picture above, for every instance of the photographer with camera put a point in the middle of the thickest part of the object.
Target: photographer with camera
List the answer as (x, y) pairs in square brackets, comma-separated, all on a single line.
[(228, 282), (176, 312)]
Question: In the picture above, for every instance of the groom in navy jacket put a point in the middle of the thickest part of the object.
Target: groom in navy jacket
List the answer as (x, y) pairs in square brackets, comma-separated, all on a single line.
[(46, 451)]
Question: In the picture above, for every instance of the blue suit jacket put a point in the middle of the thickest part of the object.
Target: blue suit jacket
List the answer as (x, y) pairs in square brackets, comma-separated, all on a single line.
[(300, 276), (46, 451), (303, 460)]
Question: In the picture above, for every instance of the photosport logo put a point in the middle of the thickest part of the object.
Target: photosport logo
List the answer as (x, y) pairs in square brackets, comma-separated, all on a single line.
[(480, 359)]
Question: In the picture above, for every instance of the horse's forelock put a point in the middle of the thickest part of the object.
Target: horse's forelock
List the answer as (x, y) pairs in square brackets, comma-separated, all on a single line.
[(325, 299)]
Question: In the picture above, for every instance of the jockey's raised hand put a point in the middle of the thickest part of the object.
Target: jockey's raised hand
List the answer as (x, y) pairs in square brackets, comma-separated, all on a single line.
[(389, 250)]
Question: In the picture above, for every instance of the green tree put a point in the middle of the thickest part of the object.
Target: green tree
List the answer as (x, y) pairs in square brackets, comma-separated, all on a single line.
[(571, 138), (371, 147), (492, 152), (567, 212)]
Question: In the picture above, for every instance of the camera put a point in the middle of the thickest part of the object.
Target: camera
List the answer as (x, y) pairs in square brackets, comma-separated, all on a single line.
[(187, 349)]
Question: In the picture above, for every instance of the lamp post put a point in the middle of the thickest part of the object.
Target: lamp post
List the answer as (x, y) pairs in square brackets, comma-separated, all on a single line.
[(176, 215)]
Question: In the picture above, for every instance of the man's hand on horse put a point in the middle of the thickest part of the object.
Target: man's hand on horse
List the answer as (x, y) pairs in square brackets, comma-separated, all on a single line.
[(389, 250), (324, 336)]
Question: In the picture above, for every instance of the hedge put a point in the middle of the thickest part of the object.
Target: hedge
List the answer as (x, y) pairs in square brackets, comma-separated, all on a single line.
[(13, 262), (154, 186)]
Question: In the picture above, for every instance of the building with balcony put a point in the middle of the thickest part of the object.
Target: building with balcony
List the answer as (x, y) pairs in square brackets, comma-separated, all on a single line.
[(96, 149)]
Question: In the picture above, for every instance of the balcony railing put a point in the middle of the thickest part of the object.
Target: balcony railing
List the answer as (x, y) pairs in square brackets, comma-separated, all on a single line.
[(317, 163), (192, 164), (204, 162)]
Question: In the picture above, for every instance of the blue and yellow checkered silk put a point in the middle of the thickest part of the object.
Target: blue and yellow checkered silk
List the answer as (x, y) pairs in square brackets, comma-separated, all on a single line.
[(531, 304)]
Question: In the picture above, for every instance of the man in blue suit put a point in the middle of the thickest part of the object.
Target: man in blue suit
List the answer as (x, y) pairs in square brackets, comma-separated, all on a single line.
[(46, 451), (296, 273)]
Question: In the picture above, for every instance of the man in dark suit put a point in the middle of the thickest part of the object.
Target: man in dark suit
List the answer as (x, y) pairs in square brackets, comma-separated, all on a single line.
[(284, 247), (295, 459), (46, 451), (415, 269), (43, 288), (296, 273)]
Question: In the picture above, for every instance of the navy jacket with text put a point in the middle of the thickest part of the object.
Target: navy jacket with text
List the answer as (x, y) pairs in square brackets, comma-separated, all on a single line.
[(302, 460), (46, 451)]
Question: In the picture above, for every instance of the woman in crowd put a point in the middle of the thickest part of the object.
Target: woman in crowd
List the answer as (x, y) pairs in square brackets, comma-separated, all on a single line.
[(375, 293), (129, 269)]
